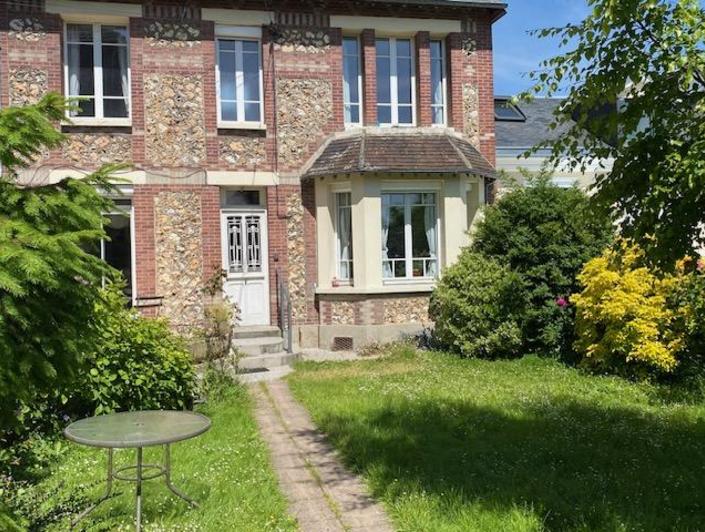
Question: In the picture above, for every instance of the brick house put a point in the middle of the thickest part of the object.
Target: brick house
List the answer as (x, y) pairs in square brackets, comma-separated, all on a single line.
[(333, 145)]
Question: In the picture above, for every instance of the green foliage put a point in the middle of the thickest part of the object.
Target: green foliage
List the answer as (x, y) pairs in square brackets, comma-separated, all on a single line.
[(648, 55), (476, 307), (544, 234), (689, 295), (624, 322), (48, 282), (138, 363)]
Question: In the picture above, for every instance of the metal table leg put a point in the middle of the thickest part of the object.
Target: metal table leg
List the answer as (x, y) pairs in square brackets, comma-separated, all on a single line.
[(138, 491), (167, 477), (108, 491)]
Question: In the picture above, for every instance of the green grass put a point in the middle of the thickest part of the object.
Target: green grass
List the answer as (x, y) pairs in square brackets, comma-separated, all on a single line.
[(226, 470), (462, 445)]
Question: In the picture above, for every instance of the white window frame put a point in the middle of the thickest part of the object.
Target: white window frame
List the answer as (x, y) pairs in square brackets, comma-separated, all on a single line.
[(359, 83), (408, 239), (444, 84), (239, 34), (393, 84), (336, 207), (99, 119)]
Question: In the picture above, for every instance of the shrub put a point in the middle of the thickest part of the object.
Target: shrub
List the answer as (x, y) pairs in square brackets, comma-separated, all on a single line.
[(688, 298), (624, 323), (545, 234), (139, 363), (476, 307)]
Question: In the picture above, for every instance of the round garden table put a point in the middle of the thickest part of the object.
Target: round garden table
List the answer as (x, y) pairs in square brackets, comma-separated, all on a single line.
[(137, 430)]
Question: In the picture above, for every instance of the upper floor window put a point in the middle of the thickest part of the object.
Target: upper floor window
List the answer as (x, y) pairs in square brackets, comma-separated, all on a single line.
[(395, 82), (438, 83), (97, 70), (239, 80), (409, 235), (343, 222), (352, 81)]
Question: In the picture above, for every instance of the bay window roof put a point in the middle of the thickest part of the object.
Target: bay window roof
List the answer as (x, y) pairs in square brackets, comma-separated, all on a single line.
[(416, 151)]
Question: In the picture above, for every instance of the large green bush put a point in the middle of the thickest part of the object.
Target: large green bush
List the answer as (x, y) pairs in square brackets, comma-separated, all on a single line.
[(476, 308), (545, 234), (139, 364)]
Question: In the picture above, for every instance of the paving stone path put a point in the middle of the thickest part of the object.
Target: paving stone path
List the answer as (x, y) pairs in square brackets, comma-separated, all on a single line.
[(323, 495)]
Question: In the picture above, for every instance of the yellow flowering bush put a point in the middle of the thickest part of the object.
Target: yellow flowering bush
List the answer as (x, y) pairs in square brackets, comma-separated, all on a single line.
[(624, 321)]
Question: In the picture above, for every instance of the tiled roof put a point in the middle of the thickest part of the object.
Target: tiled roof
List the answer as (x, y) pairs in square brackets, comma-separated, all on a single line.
[(414, 151), (528, 133)]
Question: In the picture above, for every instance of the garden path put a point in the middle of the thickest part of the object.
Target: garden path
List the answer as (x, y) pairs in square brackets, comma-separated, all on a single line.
[(323, 495)]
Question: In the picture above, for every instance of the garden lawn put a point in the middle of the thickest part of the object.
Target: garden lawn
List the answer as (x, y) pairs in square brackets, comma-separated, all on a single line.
[(226, 470), (463, 444)]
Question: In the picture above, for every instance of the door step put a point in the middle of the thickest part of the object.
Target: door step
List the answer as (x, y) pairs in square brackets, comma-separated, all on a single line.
[(256, 331), (266, 361), (259, 346)]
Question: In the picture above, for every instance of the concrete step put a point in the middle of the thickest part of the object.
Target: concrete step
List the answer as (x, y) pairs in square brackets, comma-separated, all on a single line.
[(258, 346), (264, 374), (256, 331), (266, 361)]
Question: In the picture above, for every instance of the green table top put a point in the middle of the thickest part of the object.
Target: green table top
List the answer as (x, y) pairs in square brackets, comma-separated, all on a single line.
[(137, 429)]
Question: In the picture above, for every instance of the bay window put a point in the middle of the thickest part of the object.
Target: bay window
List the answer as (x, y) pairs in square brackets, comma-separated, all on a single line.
[(239, 81), (352, 81), (395, 82), (438, 83), (409, 235), (97, 71), (343, 222)]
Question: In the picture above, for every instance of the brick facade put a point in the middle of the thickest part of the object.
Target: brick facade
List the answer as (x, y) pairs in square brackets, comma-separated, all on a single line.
[(175, 140)]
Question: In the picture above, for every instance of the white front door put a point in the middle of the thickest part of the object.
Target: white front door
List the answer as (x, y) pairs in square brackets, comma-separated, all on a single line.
[(245, 261)]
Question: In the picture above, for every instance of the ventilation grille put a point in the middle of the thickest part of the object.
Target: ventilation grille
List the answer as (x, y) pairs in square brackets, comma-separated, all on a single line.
[(25, 6), (342, 343), (317, 20), (173, 12)]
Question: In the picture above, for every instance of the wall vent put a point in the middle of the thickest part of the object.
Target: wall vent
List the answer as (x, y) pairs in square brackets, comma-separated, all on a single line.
[(316, 20), (342, 343), (171, 12)]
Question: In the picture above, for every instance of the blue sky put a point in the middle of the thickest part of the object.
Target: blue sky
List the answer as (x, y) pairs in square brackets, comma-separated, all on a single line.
[(515, 52)]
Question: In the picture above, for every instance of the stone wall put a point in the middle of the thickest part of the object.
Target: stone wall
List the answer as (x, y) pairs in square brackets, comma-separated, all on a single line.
[(172, 34), (308, 40), (175, 132), (304, 108), (27, 85), (93, 150), (471, 114), (406, 309), (29, 29), (243, 151), (296, 255), (179, 257), (342, 313)]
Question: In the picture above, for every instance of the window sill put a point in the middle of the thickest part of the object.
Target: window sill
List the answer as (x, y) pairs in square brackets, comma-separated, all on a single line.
[(400, 288), (252, 126), (99, 122)]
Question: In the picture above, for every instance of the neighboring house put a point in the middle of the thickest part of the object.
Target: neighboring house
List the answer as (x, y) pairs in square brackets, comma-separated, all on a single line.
[(523, 125), (331, 147)]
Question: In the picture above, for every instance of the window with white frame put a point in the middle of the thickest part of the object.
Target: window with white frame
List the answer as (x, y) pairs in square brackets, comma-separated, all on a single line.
[(438, 83), (343, 222), (239, 81), (352, 81), (409, 235), (395, 82), (97, 70)]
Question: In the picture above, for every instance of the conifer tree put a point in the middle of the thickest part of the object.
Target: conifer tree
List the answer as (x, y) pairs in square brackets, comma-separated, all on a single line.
[(49, 283)]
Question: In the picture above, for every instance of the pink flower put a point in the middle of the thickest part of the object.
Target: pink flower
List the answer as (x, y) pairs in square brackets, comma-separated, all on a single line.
[(700, 265), (561, 301)]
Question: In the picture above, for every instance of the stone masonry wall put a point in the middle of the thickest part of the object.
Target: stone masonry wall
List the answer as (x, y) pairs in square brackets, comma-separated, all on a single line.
[(175, 132), (91, 150), (179, 257), (381, 309)]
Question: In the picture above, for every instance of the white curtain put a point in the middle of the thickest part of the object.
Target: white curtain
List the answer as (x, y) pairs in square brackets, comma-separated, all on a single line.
[(430, 226), (122, 58), (344, 235), (386, 266), (74, 67)]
